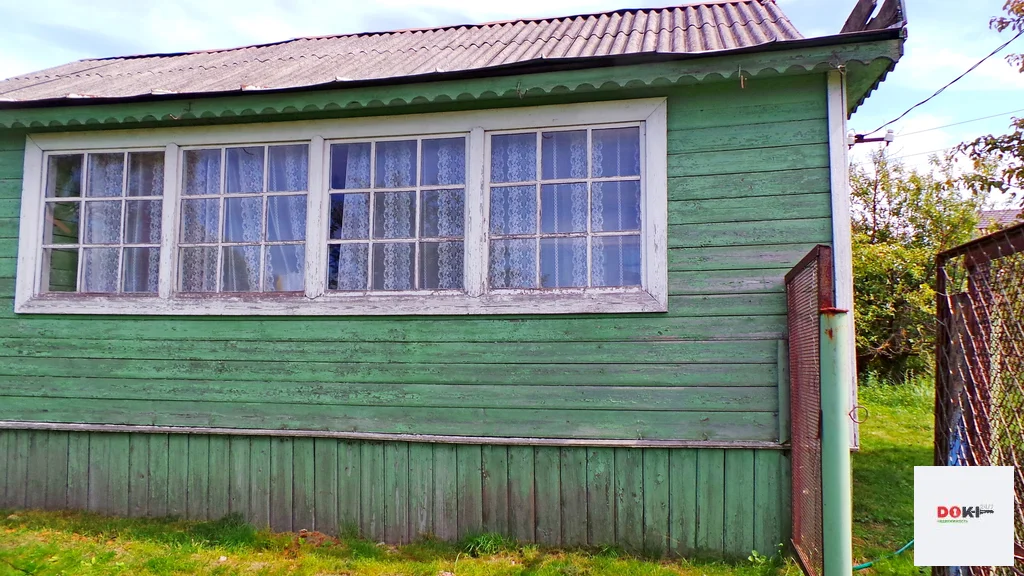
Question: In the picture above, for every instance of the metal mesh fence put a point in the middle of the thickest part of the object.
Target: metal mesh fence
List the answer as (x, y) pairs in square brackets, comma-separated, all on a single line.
[(979, 399), (808, 292)]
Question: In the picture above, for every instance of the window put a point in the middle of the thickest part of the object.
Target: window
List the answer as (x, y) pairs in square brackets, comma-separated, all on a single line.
[(556, 209)]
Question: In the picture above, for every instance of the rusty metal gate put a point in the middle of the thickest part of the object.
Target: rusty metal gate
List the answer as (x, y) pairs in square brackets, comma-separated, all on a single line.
[(979, 376), (809, 291)]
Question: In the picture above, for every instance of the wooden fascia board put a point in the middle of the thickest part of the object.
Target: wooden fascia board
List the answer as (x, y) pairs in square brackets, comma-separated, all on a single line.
[(508, 88)]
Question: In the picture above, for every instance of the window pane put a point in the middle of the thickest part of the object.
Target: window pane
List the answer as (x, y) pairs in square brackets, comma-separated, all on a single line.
[(244, 170), (350, 166), (284, 266), (616, 152), (141, 270), (142, 222), (243, 219), (241, 269), (198, 269), (62, 222), (513, 264), (394, 215), (514, 210), (615, 206), (200, 220), (103, 222), (396, 164), (99, 270), (563, 262), (563, 208), (564, 154), (514, 157), (64, 177), (286, 218), (443, 214), (444, 162), (347, 267), (393, 266), (441, 265), (146, 174), (288, 170), (106, 175), (616, 261), (202, 172), (62, 267), (350, 216)]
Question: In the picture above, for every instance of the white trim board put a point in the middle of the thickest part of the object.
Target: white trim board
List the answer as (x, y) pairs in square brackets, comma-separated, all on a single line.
[(652, 296)]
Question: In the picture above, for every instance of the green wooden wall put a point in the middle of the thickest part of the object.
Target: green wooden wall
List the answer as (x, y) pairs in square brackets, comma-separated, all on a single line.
[(650, 500)]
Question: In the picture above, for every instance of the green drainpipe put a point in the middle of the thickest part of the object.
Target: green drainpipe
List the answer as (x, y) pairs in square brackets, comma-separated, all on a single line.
[(837, 504)]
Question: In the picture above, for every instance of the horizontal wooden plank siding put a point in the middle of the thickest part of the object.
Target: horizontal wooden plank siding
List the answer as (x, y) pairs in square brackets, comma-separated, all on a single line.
[(647, 500)]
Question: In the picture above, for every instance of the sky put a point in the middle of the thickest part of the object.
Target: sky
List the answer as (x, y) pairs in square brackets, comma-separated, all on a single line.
[(945, 38)]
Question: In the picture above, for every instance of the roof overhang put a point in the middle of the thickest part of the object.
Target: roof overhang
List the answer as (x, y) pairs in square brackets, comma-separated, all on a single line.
[(866, 57)]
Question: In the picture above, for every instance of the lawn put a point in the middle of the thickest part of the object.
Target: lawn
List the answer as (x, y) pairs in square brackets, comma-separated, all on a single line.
[(896, 437)]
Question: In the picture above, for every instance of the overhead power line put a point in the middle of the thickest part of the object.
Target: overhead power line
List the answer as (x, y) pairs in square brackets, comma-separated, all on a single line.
[(943, 89), (960, 123)]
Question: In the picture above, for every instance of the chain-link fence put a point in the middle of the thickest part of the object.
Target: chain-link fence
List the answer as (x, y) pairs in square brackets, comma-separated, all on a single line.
[(979, 394), (808, 292)]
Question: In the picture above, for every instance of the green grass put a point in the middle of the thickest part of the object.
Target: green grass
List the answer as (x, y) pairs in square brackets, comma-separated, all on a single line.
[(896, 437)]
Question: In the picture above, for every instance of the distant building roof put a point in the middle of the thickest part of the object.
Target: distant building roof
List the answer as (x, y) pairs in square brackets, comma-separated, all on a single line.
[(998, 218), (711, 26)]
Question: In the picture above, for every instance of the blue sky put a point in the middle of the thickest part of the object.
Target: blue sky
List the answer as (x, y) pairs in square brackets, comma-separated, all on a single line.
[(946, 37)]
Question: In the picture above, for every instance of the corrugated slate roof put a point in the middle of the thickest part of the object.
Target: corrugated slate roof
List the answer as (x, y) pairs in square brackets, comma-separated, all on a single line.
[(999, 218), (711, 26)]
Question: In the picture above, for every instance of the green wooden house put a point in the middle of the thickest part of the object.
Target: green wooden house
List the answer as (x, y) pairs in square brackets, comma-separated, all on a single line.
[(523, 277)]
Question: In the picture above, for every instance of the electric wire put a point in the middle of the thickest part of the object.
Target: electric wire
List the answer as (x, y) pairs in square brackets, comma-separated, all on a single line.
[(960, 123)]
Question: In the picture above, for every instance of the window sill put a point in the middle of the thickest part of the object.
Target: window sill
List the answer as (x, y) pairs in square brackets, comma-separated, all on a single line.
[(589, 301)]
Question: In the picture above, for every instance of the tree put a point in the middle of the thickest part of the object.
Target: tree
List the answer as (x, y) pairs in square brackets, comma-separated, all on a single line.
[(902, 218), (1006, 149)]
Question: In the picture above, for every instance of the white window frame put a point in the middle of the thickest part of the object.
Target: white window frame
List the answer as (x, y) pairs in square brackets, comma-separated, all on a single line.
[(651, 296)]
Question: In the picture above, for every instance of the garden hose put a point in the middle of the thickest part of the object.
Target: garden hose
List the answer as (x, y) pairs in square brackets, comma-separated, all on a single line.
[(872, 563)]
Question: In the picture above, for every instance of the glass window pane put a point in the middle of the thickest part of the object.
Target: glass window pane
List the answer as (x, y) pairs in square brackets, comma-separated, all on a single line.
[(202, 172), (616, 261), (350, 216), (286, 218), (284, 268), (564, 154), (243, 172), (99, 270), (288, 170), (197, 268), (396, 164), (513, 264), (62, 222), (615, 206), (240, 269), (103, 222), (444, 162), (243, 219), (200, 220), (141, 270), (62, 270), (441, 265), (443, 214), (146, 174), (514, 157), (563, 208), (350, 166), (347, 267), (106, 175), (616, 152), (514, 210), (393, 266), (394, 215), (563, 262), (64, 176), (142, 222)]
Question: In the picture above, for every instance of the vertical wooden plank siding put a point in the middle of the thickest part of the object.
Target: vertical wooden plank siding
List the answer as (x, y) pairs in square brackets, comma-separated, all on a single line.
[(521, 493), (303, 484), (656, 501), (159, 474), (446, 493), (371, 468), (547, 476), (683, 502), (495, 489), (325, 484), (421, 488), (35, 464), (470, 490), (281, 484), (138, 475), (177, 475), (78, 471), (629, 498), (573, 484), (601, 495), (5, 436), (220, 477), (56, 471), (396, 492), (349, 486), (99, 499), (739, 506), (710, 500), (198, 459), (259, 481), (239, 473), (767, 505)]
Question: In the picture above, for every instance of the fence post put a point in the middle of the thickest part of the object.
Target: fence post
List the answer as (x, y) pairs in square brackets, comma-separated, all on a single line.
[(837, 497)]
